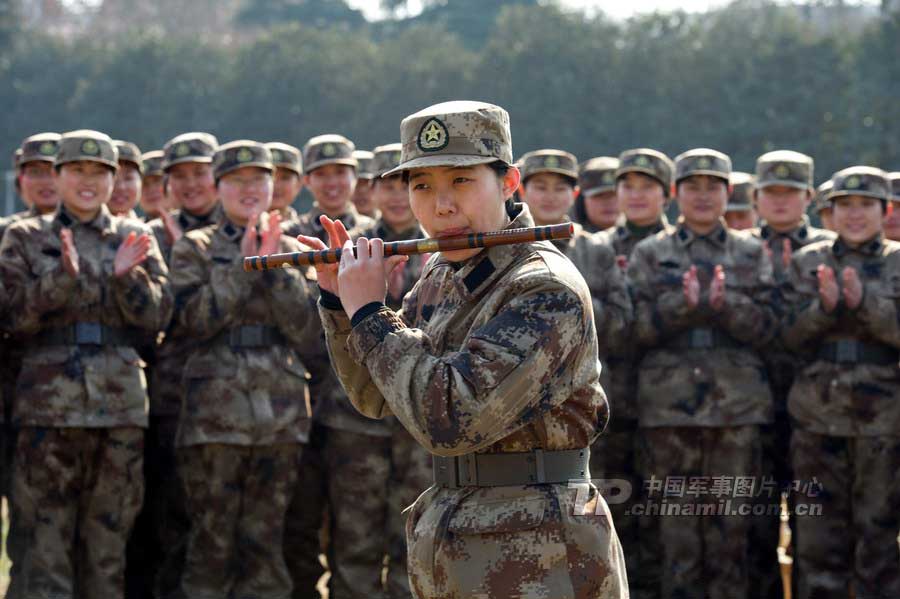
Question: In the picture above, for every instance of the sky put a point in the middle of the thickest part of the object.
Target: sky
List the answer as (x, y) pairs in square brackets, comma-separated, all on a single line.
[(613, 8)]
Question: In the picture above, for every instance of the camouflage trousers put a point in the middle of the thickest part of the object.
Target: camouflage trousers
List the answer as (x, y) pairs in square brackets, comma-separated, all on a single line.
[(701, 555), (846, 534), (76, 493), (237, 498), (529, 542), (614, 458), (305, 518)]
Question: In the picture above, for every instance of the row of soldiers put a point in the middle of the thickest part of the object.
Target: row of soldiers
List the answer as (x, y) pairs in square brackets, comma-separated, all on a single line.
[(246, 483)]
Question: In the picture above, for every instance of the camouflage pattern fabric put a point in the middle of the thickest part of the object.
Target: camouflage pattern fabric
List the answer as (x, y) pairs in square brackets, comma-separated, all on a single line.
[(702, 555), (187, 222), (86, 386), (225, 399), (237, 497), (513, 371), (77, 492), (851, 540), (720, 385)]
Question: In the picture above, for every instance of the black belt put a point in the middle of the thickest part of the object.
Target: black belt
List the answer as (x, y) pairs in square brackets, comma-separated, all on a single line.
[(703, 338), (252, 336), (508, 469), (85, 333), (850, 351)]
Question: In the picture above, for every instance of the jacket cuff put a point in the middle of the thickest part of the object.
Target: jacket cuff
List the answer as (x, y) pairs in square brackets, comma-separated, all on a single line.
[(329, 300), (371, 331), (370, 308)]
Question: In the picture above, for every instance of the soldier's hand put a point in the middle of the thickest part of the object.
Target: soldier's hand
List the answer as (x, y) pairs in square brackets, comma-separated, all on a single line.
[(828, 287), (131, 252), (786, 253), (69, 256), (852, 288), (691, 285), (362, 279), (337, 237), (173, 230), (395, 282), (249, 245), (717, 289), (271, 235)]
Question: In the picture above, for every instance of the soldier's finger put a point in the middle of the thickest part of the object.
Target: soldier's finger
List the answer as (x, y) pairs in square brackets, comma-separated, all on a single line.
[(395, 263), (312, 242), (347, 254), (376, 249), (362, 248), (333, 240), (341, 231)]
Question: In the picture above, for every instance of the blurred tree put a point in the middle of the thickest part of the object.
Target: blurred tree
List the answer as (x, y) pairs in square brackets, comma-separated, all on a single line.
[(316, 13)]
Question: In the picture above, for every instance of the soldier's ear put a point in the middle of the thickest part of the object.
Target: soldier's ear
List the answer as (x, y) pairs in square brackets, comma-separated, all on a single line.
[(511, 181)]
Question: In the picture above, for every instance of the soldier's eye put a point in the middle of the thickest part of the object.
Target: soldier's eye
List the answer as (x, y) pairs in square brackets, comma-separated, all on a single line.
[(420, 187), (461, 180)]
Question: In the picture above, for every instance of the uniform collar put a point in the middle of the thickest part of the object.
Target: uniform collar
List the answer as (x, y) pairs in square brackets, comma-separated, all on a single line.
[(476, 274), (350, 217), (625, 229), (102, 222), (799, 234), (870, 248), (189, 221), (686, 236)]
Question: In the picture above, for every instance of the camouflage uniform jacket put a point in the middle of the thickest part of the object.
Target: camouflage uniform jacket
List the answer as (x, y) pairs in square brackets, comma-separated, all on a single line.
[(289, 215), (720, 381), (6, 221), (330, 405), (170, 355), (622, 358), (847, 399), (498, 354), (81, 386), (187, 222), (595, 258), (241, 395)]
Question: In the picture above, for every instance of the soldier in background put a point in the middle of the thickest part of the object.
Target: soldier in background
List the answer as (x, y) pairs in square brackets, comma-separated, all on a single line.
[(365, 175), (187, 163), (288, 179), (126, 194), (612, 454), (153, 194), (34, 177), (823, 206), (892, 218), (702, 295), (643, 185), (492, 362), (330, 175), (597, 207), (845, 403), (84, 283), (246, 398), (740, 213), (783, 192)]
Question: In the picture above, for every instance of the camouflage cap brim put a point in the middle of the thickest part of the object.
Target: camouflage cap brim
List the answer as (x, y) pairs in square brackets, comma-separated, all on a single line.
[(200, 159), (716, 174), (556, 171), (447, 160), (230, 169), (595, 190), (784, 182), (853, 192), (633, 168), (345, 161)]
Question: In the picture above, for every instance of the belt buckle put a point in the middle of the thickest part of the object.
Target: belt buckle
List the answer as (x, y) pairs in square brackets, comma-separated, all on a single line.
[(88, 333), (701, 338), (846, 351)]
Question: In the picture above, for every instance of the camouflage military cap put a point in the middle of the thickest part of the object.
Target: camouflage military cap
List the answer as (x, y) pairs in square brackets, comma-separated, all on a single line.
[(189, 147), (286, 156), (365, 168), (459, 133), (894, 179), (702, 161), (648, 162), (239, 154), (328, 149), (598, 175), (741, 198), (387, 158), (784, 167), (860, 181), (88, 145), (549, 161), (152, 163), (129, 152), (41, 147), (821, 202)]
